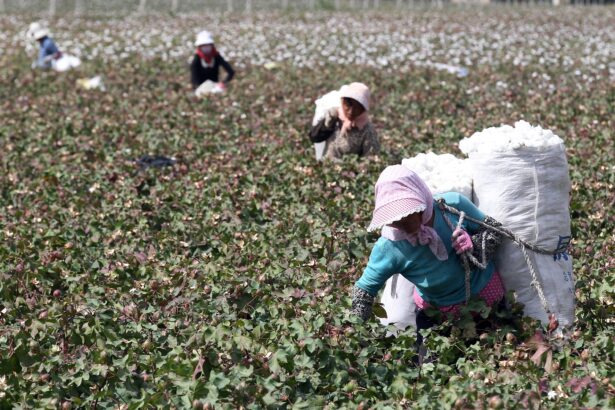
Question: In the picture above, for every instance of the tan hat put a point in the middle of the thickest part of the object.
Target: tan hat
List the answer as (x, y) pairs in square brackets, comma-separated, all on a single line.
[(37, 31), (356, 91)]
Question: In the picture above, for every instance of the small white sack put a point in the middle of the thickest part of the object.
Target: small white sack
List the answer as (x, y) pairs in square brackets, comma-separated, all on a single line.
[(442, 173), (399, 303), (323, 104), (521, 179), (208, 87), (452, 69), (94, 83), (65, 63)]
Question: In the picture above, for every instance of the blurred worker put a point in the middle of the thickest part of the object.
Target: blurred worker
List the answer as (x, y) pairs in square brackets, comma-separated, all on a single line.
[(347, 129), (48, 51), (207, 61)]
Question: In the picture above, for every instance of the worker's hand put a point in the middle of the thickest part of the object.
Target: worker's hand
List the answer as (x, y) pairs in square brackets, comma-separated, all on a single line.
[(330, 116), (222, 85), (462, 241)]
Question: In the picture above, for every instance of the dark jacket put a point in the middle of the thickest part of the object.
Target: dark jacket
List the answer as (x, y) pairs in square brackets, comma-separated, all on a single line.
[(362, 142), (201, 73)]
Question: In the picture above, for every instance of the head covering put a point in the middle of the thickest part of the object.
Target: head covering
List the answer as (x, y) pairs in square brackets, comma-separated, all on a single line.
[(399, 193), (360, 93), (204, 37), (356, 91), (37, 31), (207, 59)]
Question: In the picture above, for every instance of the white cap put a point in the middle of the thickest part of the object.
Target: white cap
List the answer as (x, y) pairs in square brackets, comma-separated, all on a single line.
[(37, 31), (358, 92), (204, 37)]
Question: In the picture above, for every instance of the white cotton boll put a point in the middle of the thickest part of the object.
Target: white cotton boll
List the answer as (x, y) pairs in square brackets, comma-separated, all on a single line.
[(507, 138), (442, 173)]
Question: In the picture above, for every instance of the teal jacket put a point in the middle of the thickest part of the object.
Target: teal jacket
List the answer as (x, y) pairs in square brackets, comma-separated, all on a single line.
[(440, 283)]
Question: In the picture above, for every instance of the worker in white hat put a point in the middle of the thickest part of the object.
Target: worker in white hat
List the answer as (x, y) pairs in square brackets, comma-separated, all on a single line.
[(48, 50), (207, 61)]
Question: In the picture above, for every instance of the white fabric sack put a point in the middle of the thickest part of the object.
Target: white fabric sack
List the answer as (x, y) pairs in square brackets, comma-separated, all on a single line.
[(399, 303), (65, 63), (442, 173), (526, 187), (208, 87), (323, 104), (94, 83)]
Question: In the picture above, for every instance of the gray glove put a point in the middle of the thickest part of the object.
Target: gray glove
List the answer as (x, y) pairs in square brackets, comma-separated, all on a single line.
[(361, 303), (486, 240)]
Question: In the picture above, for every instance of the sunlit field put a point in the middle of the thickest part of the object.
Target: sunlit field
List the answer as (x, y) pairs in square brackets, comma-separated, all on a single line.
[(224, 280)]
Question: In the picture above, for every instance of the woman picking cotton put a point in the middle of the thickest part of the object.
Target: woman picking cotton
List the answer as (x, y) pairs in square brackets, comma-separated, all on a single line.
[(347, 129), (417, 241), (205, 66)]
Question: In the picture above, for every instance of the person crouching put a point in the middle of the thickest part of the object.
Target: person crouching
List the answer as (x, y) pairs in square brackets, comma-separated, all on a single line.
[(207, 61), (48, 51), (347, 129)]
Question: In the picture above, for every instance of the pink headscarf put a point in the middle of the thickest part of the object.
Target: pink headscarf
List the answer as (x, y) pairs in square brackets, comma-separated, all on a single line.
[(399, 193), (358, 92)]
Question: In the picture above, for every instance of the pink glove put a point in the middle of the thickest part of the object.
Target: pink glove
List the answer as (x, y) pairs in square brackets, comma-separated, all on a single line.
[(462, 241)]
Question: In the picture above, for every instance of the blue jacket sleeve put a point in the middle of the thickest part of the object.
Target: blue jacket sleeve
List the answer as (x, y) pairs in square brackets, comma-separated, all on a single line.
[(384, 262)]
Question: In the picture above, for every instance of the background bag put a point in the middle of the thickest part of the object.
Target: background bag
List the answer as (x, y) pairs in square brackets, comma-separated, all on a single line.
[(330, 100), (65, 63)]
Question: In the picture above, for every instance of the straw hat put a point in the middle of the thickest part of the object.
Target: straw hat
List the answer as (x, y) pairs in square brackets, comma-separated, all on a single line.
[(37, 31)]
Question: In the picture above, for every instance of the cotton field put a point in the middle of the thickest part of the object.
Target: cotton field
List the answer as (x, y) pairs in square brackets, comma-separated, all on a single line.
[(166, 248), (572, 42)]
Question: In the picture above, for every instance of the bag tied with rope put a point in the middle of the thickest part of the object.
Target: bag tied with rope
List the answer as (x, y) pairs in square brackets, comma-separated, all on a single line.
[(527, 189)]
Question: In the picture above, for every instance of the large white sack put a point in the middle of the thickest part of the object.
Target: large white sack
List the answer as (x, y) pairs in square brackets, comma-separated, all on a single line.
[(442, 173), (521, 179), (330, 100), (399, 303), (65, 63)]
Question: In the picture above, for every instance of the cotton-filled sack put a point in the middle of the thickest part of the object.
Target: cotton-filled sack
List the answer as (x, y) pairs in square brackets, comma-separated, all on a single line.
[(520, 177), (94, 83), (65, 63), (442, 173), (208, 87), (330, 100)]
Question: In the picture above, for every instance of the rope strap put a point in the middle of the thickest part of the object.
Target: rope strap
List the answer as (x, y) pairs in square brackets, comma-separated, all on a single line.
[(467, 256), (501, 230)]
